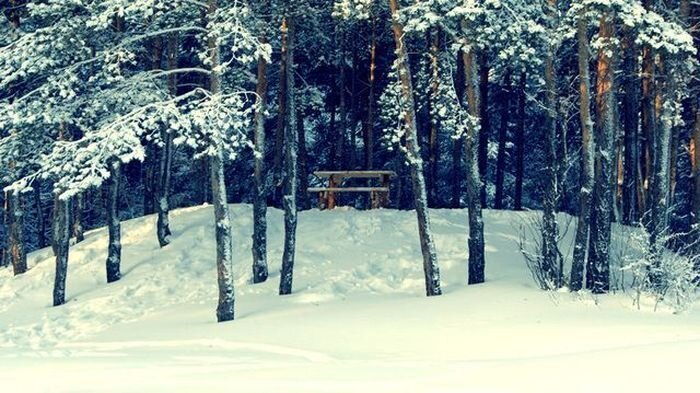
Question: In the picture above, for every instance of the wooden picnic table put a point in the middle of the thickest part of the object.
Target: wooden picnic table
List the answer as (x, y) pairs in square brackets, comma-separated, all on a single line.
[(379, 196)]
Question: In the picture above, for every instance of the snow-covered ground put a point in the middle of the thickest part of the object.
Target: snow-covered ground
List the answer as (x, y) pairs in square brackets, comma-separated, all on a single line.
[(357, 321)]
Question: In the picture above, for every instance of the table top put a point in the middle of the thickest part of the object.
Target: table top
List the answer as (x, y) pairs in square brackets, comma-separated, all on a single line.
[(369, 173)]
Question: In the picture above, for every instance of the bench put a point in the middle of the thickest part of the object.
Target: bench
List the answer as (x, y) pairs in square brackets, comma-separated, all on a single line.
[(379, 196)]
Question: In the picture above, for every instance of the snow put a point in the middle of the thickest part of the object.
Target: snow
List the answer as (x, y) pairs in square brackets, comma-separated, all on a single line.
[(358, 319)]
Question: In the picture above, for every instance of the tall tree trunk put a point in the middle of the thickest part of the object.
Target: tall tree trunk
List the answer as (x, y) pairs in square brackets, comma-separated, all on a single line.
[(222, 221), (433, 143), (690, 14), (587, 160), (114, 254), (430, 260), (485, 122), (474, 185), (369, 126), (166, 155), (343, 108), (598, 257), (630, 108), (696, 164), (303, 162), (259, 248), (551, 257), (353, 107), (61, 237), (502, 139), (520, 143), (659, 187), (18, 255), (458, 143), (291, 135), (4, 259), (648, 123), (281, 119)]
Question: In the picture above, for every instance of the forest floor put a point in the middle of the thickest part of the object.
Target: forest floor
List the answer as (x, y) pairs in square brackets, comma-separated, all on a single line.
[(358, 320)]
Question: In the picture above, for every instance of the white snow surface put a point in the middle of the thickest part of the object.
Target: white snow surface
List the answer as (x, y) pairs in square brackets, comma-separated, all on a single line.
[(358, 320)]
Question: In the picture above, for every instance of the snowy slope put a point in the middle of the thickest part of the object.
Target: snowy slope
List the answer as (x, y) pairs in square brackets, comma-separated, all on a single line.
[(358, 320)]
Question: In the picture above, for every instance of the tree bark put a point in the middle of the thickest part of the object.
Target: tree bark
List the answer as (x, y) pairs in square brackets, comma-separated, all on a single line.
[(61, 237), (343, 108), (162, 188), (659, 187), (281, 119), (648, 119), (485, 122), (502, 139), (520, 144), (18, 255), (222, 222), (291, 157), (259, 249), (598, 277), (696, 165), (41, 226), (113, 223), (369, 125), (474, 185), (587, 160), (630, 108), (303, 162), (551, 257), (78, 206), (430, 260), (433, 143)]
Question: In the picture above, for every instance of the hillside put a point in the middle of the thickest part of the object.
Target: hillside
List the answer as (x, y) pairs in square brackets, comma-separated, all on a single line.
[(357, 321)]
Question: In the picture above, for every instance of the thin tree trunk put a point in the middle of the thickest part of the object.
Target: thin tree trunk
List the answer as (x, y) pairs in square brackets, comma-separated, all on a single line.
[(369, 126), (458, 144), (659, 187), (4, 259), (457, 153), (474, 185), (291, 135), (166, 156), (61, 237), (691, 14), (434, 147), (353, 107), (281, 119), (485, 122), (551, 257), (78, 207), (695, 156), (18, 255), (648, 123), (630, 204), (502, 139), (343, 109), (259, 249), (222, 221), (113, 223), (598, 257), (520, 144), (587, 160), (41, 225), (303, 162), (430, 261)]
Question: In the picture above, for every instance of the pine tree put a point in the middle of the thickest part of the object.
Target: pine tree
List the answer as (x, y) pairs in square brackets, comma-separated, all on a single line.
[(412, 152), (292, 145)]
